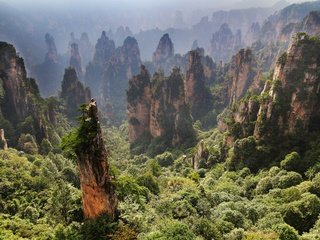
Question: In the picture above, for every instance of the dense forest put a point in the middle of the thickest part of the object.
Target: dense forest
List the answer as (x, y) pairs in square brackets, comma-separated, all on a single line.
[(219, 142)]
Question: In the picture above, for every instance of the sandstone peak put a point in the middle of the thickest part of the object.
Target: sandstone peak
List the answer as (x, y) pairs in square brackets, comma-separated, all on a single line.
[(164, 51), (75, 59), (73, 93), (98, 192), (104, 49), (224, 43), (3, 141), (52, 53)]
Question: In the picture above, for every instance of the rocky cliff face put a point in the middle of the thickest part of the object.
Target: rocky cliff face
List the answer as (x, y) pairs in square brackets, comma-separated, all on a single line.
[(108, 74), (104, 49), (73, 93), (161, 108), (252, 34), (49, 73), (163, 53), (292, 99), (86, 49), (287, 104), (13, 76), (240, 18), (75, 60), (311, 24), (123, 65), (241, 74), (197, 94), (22, 109), (52, 54), (276, 32), (224, 43), (3, 141), (139, 104), (98, 192), (284, 22), (164, 50)]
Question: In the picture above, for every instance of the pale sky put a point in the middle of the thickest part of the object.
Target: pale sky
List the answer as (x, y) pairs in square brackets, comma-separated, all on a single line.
[(195, 4)]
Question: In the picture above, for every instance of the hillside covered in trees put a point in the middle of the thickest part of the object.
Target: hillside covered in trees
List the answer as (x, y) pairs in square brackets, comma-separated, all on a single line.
[(220, 143)]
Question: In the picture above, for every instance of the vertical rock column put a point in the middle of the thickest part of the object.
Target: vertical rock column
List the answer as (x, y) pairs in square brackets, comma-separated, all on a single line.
[(3, 141), (98, 192)]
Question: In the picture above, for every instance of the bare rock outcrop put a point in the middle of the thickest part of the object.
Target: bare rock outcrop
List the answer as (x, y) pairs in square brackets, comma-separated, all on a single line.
[(158, 111), (224, 43), (73, 93), (98, 191), (139, 104), (196, 93), (3, 141), (50, 72), (292, 100), (109, 73), (75, 60), (242, 73)]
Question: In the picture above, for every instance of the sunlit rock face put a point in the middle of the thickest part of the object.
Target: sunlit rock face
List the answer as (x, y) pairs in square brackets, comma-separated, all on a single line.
[(157, 109), (139, 105), (288, 103), (242, 74), (22, 110), (293, 98), (98, 192)]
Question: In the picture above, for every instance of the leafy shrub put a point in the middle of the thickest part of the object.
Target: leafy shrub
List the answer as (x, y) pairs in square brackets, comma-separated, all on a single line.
[(270, 220), (127, 186), (287, 179), (247, 153), (291, 162), (124, 232), (264, 185), (45, 146), (182, 209), (286, 232), (233, 216), (149, 181), (194, 176), (172, 231), (303, 214), (165, 159), (98, 228), (315, 187), (70, 175), (207, 230), (28, 144), (154, 167), (235, 234), (70, 232), (31, 213), (157, 145), (141, 144), (261, 236)]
